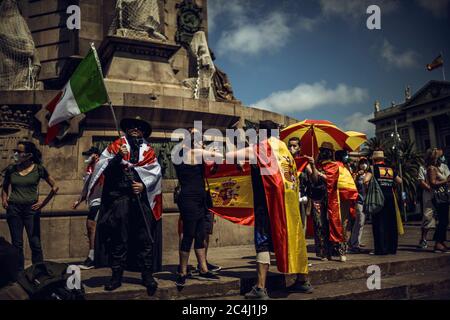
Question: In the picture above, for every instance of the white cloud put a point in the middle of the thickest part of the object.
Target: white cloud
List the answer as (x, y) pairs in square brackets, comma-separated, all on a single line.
[(355, 9), (352, 11), (309, 24), (359, 122), (308, 96), (398, 59), (268, 34), (439, 8), (235, 9)]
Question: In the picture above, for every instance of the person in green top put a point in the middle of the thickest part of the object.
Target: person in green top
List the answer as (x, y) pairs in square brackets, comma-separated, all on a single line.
[(20, 198)]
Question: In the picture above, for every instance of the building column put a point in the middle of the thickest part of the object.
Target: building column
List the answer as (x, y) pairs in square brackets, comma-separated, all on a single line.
[(412, 135), (432, 132)]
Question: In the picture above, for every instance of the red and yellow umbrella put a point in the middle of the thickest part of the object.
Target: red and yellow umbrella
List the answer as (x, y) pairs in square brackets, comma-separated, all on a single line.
[(312, 133), (355, 139)]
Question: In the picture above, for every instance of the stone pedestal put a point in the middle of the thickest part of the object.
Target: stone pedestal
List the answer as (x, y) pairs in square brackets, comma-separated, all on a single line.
[(142, 64)]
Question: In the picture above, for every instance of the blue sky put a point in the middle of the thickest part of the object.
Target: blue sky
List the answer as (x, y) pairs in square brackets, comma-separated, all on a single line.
[(316, 59)]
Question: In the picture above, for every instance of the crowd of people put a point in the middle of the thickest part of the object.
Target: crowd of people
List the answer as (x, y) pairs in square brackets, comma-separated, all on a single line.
[(122, 188)]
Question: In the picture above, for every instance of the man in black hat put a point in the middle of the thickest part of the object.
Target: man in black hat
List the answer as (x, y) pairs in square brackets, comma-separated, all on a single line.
[(129, 224), (93, 202)]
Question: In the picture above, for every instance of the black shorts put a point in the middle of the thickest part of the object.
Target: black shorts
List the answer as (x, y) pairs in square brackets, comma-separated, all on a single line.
[(209, 222), (93, 211), (194, 228)]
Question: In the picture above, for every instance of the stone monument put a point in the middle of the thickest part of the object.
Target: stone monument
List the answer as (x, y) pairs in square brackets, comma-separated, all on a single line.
[(147, 49)]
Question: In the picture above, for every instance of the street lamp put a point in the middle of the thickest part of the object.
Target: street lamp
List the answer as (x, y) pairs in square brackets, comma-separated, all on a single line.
[(398, 155)]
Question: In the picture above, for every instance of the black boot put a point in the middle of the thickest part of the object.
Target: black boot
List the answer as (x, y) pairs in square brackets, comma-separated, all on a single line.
[(115, 281), (149, 282)]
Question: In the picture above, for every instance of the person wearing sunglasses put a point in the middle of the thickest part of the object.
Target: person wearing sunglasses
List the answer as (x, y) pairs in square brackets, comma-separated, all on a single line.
[(20, 198)]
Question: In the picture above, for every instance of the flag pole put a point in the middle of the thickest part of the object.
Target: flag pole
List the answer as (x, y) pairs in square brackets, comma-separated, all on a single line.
[(443, 65), (99, 65)]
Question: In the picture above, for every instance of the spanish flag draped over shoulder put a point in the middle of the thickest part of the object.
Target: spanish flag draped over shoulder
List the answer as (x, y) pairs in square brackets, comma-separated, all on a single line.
[(281, 186), (232, 193), (331, 170), (347, 188)]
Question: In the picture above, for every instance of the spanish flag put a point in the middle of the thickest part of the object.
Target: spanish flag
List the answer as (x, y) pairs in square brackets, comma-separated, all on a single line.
[(331, 170), (232, 193), (347, 188), (281, 186), (301, 163), (438, 62)]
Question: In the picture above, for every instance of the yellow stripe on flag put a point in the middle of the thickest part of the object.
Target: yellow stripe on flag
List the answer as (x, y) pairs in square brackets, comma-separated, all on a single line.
[(297, 255), (400, 229)]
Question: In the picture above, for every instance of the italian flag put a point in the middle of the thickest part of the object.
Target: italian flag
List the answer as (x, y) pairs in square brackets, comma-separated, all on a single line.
[(85, 91)]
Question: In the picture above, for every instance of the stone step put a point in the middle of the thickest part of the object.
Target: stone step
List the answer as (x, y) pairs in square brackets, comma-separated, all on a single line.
[(238, 278), (433, 284), (332, 272)]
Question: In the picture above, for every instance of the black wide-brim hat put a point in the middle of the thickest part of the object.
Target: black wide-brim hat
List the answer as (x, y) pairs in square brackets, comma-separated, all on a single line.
[(92, 150), (137, 122)]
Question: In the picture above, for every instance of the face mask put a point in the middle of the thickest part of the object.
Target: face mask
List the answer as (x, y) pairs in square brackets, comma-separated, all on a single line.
[(442, 159), (364, 166), (16, 156), (88, 160), (345, 159), (326, 154)]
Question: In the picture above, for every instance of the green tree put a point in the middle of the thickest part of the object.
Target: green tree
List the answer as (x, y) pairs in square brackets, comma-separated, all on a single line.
[(410, 160), (373, 144)]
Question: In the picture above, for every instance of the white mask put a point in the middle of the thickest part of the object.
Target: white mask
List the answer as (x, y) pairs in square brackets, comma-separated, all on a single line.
[(88, 160), (364, 166)]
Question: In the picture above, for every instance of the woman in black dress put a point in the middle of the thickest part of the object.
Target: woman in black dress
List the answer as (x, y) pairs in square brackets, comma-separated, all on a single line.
[(384, 223), (193, 206)]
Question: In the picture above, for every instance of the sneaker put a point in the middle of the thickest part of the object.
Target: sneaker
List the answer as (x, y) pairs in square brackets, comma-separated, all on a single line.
[(342, 258), (87, 264), (257, 294), (355, 250), (189, 272), (181, 280), (301, 287), (213, 268), (423, 244), (209, 276)]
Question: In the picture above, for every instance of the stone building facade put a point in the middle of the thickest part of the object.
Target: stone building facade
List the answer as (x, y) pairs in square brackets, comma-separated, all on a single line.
[(423, 117)]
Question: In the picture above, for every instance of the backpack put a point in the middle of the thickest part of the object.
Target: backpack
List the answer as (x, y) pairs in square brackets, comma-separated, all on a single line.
[(374, 201), (48, 281)]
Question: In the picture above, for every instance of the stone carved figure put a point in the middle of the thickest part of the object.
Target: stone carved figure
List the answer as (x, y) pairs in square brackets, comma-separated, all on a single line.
[(202, 85), (19, 59), (377, 106), (408, 93), (138, 19), (222, 86)]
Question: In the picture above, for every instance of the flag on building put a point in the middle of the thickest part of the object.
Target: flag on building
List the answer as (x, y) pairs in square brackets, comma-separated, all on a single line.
[(85, 91), (438, 62)]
